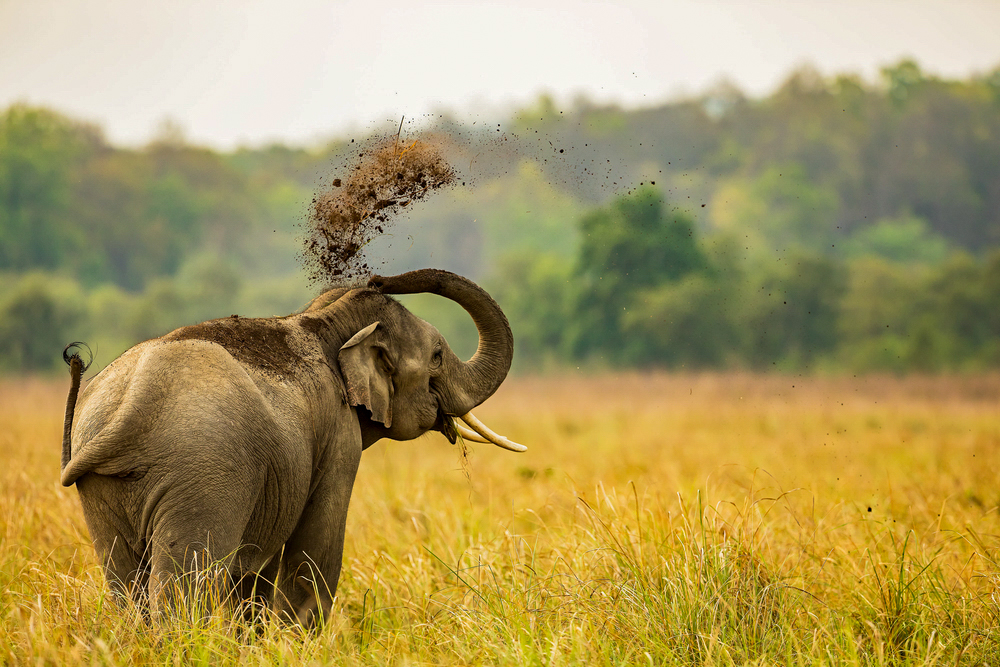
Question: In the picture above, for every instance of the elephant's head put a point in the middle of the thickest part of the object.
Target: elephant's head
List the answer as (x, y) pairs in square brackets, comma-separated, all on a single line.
[(399, 370)]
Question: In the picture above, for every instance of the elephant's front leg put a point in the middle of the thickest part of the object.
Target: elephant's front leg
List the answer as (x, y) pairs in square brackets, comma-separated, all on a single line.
[(310, 566)]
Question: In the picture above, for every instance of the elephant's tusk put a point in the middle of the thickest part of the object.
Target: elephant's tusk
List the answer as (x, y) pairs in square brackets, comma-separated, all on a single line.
[(468, 434), (498, 440)]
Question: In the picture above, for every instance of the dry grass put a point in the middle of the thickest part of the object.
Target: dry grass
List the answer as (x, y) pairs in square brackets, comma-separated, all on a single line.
[(654, 520)]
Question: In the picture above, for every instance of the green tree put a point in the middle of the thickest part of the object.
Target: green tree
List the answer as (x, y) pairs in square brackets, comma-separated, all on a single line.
[(39, 315), (956, 308), (39, 150), (878, 312), (779, 210), (537, 291), (792, 315), (688, 323), (906, 240), (633, 244), (902, 80)]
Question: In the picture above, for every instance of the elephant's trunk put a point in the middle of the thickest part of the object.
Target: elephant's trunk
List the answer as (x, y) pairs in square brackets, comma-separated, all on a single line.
[(476, 379)]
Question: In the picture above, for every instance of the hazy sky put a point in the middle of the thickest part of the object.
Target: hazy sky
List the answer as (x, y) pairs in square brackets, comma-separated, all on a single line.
[(232, 71)]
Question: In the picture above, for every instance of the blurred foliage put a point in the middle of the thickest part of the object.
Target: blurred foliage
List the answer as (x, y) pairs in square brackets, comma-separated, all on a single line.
[(906, 240), (836, 224), (38, 314), (632, 245)]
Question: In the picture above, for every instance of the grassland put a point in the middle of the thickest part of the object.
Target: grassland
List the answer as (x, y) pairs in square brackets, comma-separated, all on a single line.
[(713, 519)]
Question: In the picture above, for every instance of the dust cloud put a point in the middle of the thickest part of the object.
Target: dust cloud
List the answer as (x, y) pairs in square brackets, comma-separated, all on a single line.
[(386, 176)]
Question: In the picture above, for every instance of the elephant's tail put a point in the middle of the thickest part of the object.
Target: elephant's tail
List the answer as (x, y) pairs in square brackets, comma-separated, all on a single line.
[(76, 369)]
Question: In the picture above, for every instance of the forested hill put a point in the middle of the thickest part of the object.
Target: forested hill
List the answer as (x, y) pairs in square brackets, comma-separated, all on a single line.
[(852, 153), (897, 178)]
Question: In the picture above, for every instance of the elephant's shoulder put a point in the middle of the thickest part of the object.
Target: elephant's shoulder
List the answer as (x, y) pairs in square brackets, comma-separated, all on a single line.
[(267, 344)]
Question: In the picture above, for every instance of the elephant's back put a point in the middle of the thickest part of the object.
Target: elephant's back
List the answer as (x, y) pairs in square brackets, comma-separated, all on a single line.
[(266, 344), (185, 399)]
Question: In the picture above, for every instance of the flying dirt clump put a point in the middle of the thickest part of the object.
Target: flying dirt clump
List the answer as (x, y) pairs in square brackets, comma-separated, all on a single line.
[(385, 178)]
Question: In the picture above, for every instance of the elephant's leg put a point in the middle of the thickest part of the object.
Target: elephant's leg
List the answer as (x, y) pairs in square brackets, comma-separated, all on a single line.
[(125, 570), (310, 566), (194, 547), (185, 576), (256, 588), (104, 501)]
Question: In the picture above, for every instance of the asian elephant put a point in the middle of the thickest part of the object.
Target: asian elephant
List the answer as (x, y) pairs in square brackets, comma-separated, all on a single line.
[(236, 441)]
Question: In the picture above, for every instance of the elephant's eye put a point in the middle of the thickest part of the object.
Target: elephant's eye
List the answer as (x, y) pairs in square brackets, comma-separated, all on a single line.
[(436, 359)]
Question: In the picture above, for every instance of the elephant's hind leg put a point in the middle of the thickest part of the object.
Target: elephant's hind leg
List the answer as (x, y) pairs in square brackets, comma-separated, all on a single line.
[(189, 574), (255, 589), (194, 554), (126, 571), (104, 500)]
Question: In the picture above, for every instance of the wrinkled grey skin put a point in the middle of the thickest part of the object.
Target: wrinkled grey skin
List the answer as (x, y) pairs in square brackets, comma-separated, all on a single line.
[(238, 440)]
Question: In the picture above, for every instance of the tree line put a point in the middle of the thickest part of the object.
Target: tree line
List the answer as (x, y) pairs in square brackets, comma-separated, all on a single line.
[(646, 291), (835, 224)]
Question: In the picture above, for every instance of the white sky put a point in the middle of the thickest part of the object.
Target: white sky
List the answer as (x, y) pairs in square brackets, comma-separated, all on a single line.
[(251, 71)]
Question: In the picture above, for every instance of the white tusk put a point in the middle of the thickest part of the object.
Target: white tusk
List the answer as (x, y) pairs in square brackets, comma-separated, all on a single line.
[(468, 434), (498, 440)]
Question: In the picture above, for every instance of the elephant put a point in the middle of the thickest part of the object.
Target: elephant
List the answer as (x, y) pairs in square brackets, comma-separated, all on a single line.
[(236, 441)]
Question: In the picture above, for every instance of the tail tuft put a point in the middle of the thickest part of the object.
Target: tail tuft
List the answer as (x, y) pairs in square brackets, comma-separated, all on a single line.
[(68, 358)]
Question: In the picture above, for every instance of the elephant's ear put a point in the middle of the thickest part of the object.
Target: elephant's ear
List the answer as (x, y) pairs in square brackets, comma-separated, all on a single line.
[(367, 378)]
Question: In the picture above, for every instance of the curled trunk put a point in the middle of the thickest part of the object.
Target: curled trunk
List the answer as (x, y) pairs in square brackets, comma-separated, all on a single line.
[(475, 380)]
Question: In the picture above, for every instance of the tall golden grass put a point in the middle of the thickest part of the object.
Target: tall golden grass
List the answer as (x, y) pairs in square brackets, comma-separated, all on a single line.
[(655, 519)]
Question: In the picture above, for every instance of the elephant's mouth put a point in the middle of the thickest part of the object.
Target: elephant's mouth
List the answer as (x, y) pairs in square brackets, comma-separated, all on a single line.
[(446, 424), (468, 427)]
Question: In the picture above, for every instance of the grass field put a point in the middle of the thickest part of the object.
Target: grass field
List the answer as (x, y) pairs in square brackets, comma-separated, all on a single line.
[(716, 519)]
